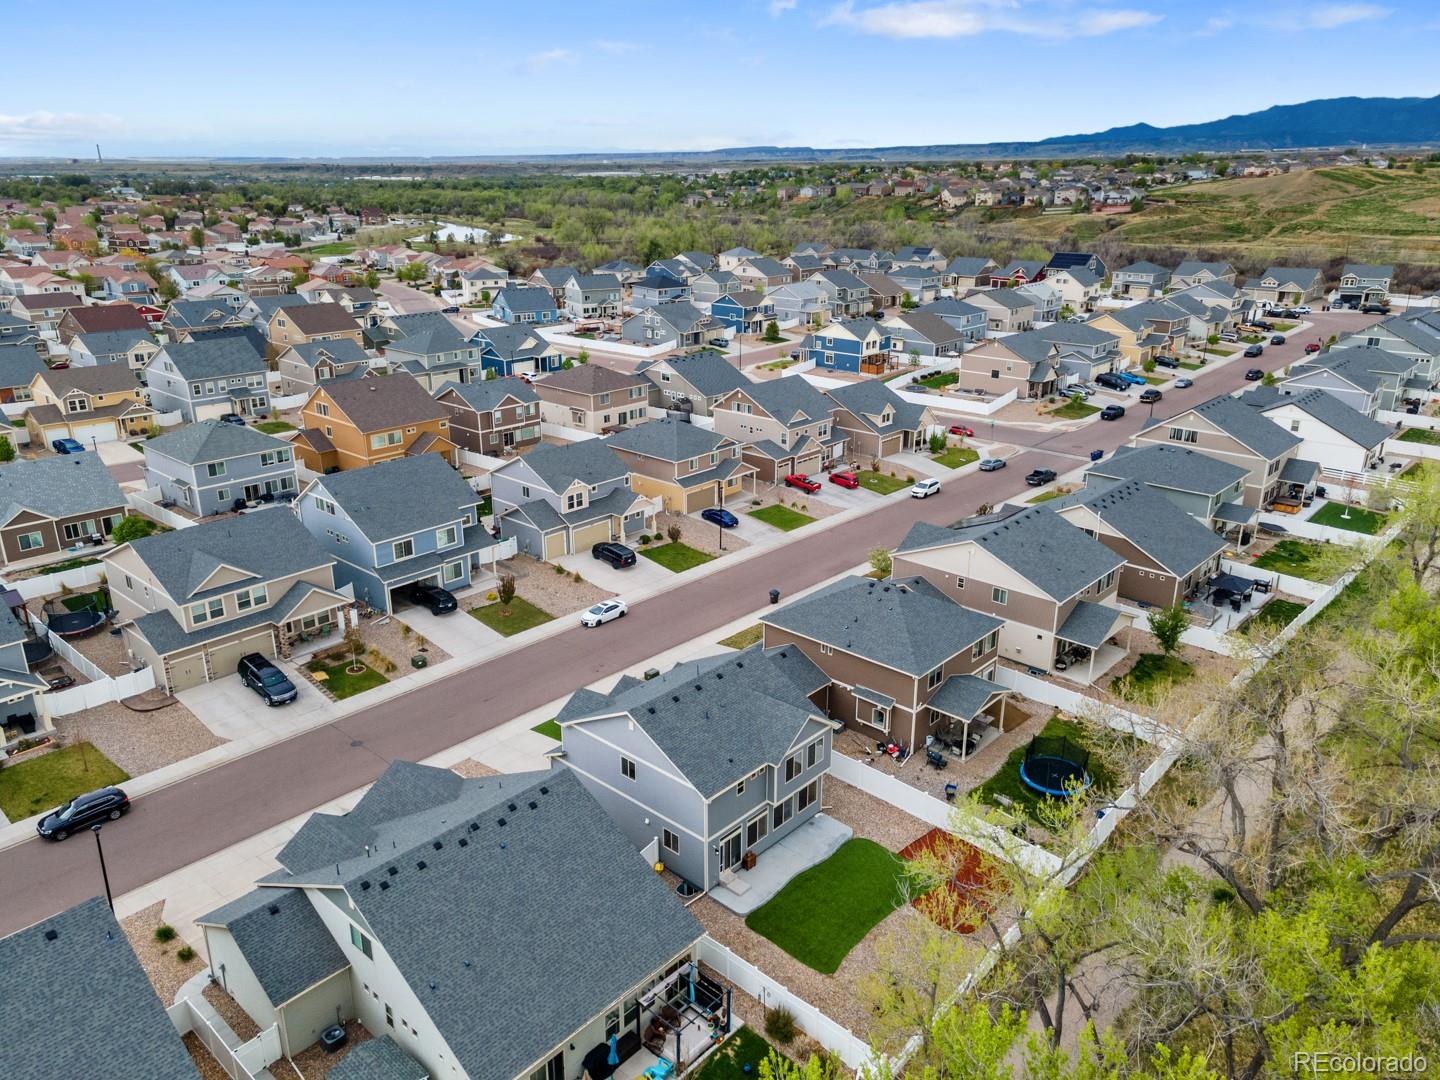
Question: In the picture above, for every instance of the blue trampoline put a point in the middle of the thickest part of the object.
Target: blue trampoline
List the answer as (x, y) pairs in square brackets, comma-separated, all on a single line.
[(1055, 767)]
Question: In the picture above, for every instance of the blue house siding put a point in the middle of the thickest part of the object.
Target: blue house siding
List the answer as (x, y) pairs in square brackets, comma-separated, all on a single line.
[(837, 353), (491, 361)]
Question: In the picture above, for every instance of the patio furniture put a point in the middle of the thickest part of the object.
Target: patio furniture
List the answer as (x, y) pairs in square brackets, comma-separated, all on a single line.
[(936, 758), (951, 790)]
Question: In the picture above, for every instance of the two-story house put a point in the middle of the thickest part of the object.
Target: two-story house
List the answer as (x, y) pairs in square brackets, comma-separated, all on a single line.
[(99, 318), (1024, 363), (859, 346), (192, 602), (1053, 585), (19, 366), (1080, 350), (497, 417), (710, 286), (554, 278), (903, 660), (516, 350), (428, 346), (761, 272), (344, 931), (303, 323), (52, 507), (1145, 331), (848, 293), (966, 272), (693, 383), (1208, 489), (676, 324), (876, 421), (1141, 280), (1414, 335), (303, 367), (924, 334), (131, 349), (407, 520), (712, 760), (1362, 285), (211, 467), (785, 426), (88, 404), (885, 293), (684, 466), (352, 423), (744, 311), (15, 330), (1365, 378), (594, 398), (657, 289), (521, 304), (1195, 272), (561, 500), (801, 303), (592, 297), (1080, 289), (1331, 433), (45, 310), (1007, 311), (208, 377), (1285, 286), (967, 319)]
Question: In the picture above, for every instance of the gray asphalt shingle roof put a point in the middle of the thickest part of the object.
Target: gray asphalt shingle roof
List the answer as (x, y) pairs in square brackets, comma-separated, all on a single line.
[(591, 461), (110, 342), (378, 1059), (1260, 434), (1171, 467), (59, 486), (792, 401), (668, 440), (283, 939), (528, 300), (867, 401), (426, 334), (340, 351), (401, 496), (211, 440), (964, 696), (19, 364), (1088, 624), (211, 357), (1148, 520), (1326, 408), (488, 394), (708, 372)]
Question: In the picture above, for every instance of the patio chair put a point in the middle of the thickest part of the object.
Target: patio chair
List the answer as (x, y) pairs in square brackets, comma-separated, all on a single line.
[(661, 1070)]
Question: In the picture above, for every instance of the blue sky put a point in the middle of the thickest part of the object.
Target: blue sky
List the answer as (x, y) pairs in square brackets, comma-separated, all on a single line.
[(445, 77)]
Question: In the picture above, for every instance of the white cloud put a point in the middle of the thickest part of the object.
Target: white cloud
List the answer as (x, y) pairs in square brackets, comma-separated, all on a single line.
[(542, 60), (615, 48), (969, 18), (49, 127), (780, 7), (1330, 16)]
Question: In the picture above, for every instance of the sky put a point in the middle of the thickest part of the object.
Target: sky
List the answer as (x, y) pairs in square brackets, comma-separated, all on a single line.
[(376, 78)]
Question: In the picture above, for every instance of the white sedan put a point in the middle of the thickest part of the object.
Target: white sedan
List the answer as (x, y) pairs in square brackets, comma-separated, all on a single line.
[(925, 488), (603, 612)]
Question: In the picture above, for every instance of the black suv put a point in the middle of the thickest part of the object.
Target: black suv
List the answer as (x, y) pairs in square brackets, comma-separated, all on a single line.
[(81, 812), (430, 596), (267, 680), (1111, 381), (1167, 362), (1112, 412), (617, 555), (1148, 395), (1039, 477)]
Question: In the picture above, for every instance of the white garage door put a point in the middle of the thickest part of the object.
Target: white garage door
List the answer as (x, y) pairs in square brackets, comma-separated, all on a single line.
[(213, 411), (103, 431)]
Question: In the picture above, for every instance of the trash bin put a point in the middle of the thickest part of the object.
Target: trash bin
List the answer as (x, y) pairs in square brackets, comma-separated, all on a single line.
[(774, 596), (419, 660), (652, 673)]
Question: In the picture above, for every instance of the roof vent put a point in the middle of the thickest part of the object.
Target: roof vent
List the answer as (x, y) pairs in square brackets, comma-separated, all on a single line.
[(474, 826), (650, 709), (392, 870), (544, 791), (465, 963), (432, 986), (51, 935), (503, 845), (511, 807), (421, 865), (675, 698), (274, 909), (463, 842), (364, 886), (534, 806), (437, 845), (500, 822), (739, 663), (384, 885)]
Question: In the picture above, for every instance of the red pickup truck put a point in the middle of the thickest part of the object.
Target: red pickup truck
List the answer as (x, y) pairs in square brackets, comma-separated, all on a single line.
[(803, 482)]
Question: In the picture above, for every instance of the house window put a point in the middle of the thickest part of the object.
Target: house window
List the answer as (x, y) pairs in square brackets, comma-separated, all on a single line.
[(454, 571), (75, 530), (627, 768), (195, 389), (389, 1015), (670, 841), (384, 439), (204, 612), (1107, 581), (933, 679), (999, 595), (403, 549), (361, 942), (827, 650), (30, 541), (812, 755), (793, 768), (252, 598), (807, 795), (446, 536), (215, 468), (321, 409), (740, 788), (783, 812), (325, 506), (1294, 425), (1178, 434), (757, 830)]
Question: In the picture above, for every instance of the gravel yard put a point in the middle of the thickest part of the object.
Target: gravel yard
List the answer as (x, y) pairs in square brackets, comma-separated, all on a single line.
[(314, 1063), (205, 1062), (390, 637), (556, 594), (139, 742), (167, 973), (231, 1012), (701, 536), (872, 818)]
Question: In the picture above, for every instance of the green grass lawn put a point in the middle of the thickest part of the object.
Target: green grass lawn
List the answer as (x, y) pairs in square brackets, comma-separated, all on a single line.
[(81, 601), (1192, 367), (486, 506), (550, 729), (779, 365), (743, 639), (274, 427), (1045, 496), (679, 557), (1151, 673), (343, 683), (1421, 435), (939, 379), (43, 783), (1273, 617), (738, 1057), (1006, 780), (68, 564), (139, 448), (955, 457), (1294, 557), (782, 517), (339, 247), (1074, 409), (827, 910), (1360, 519), (1283, 327), (522, 615), (881, 483)]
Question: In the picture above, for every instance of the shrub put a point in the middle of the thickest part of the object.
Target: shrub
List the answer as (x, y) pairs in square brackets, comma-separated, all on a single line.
[(780, 1025), (185, 954), (491, 596), (7, 449), (507, 589), (559, 569), (164, 932), (645, 538), (674, 533), (909, 478), (576, 577), (132, 527), (937, 443), (880, 561)]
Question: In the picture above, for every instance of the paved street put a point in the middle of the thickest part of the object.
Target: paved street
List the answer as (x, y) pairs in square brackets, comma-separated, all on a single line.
[(198, 816)]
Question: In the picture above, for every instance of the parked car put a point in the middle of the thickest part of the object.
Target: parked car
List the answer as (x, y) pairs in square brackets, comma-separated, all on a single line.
[(1111, 381), (1184, 383), (66, 446), (603, 612), (1130, 378), (1150, 395), (81, 812), (1074, 392), (1112, 412), (1255, 350), (1277, 339), (1254, 375), (1376, 309), (1230, 336), (1300, 309), (617, 555), (261, 675), (1312, 348), (1167, 362), (803, 482), (427, 594), (1261, 324), (845, 480), (718, 515), (992, 464), (232, 418), (1040, 477), (925, 488), (962, 430)]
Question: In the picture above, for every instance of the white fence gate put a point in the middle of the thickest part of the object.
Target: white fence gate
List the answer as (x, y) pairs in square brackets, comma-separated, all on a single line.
[(102, 688), (244, 1062)]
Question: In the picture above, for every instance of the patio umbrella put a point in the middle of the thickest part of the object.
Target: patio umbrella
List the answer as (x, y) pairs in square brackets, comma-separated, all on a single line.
[(614, 1058), (692, 982)]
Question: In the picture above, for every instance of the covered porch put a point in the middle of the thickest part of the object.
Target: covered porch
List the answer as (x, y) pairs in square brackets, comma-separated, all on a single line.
[(676, 1023), (969, 703), (1082, 644), (1236, 522)]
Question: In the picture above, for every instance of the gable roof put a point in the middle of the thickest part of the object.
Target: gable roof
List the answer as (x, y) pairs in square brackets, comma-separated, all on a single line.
[(1368, 270), (425, 333), (401, 496), (1264, 437), (57, 486), (209, 357), (111, 342), (668, 440), (340, 351), (378, 402), (1143, 268), (324, 317), (591, 379), (527, 300), (108, 317), (792, 401), (19, 364), (1326, 408), (590, 461), (1303, 276), (211, 440), (199, 313), (1171, 467), (487, 394), (100, 379), (1148, 520), (282, 938), (867, 400), (708, 372), (927, 324)]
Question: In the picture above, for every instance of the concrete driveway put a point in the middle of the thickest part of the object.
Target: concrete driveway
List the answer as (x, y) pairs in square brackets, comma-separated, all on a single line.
[(644, 574), (751, 530), (232, 711), (458, 633)]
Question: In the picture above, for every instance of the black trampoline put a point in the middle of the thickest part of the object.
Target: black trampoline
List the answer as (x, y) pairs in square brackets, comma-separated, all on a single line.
[(1055, 767)]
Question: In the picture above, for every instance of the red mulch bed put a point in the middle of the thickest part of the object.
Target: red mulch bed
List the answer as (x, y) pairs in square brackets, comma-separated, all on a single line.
[(967, 890)]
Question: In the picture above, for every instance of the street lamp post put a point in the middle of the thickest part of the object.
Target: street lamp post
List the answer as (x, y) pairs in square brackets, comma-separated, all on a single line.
[(104, 875)]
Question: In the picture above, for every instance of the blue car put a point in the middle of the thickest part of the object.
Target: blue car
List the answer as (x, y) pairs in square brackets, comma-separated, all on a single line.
[(66, 446), (718, 516), (1133, 380)]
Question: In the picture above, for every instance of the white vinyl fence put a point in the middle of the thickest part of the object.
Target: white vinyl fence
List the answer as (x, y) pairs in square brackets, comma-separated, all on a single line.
[(1412, 449), (1050, 692), (146, 503), (291, 401), (1295, 586), (244, 1062), (31, 588), (567, 434), (169, 419), (1429, 423), (102, 688)]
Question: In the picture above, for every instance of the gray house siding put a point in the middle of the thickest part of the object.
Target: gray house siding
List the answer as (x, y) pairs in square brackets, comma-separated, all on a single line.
[(195, 489), (246, 394)]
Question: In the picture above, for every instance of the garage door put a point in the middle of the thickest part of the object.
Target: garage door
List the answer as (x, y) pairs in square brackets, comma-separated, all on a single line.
[(100, 432), (225, 658), (554, 546), (700, 498), (594, 533), (213, 411), (186, 672)]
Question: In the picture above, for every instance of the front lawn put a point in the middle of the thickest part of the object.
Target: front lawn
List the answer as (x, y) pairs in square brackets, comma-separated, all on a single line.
[(43, 783), (738, 1057), (743, 639), (827, 910), (679, 557), (520, 616), (342, 682), (1359, 520), (1046, 496), (956, 457), (549, 728), (1024, 800), (1294, 557), (880, 483), (274, 427), (1074, 409), (782, 517), (1194, 367), (1152, 672), (1273, 617), (1420, 435)]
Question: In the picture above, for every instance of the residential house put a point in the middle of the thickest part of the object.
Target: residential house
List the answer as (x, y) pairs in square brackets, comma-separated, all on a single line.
[(849, 294), (710, 286), (352, 423), (885, 293), (1167, 552), (1006, 310), (479, 284), (920, 255), (1145, 331), (191, 602), (125, 1031), (1364, 378), (1207, 488), (876, 421), (15, 330), (132, 349), (1091, 263), (802, 303), (694, 263), (45, 310), (304, 323), (259, 310), (561, 500), (1414, 335), (965, 272), (1080, 350), (429, 347), (1053, 585), (212, 467), (694, 383), (497, 417), (924, 334), (1285, 286), (903, 661), (626, 271), (395, 523), (88, 404), (52, 507), (801, 266), (554, 278), (967, 319), (99, 318), (515, 304), (745, 312), (1362, 285), (657, 289), (859, 346), (860, 260), (761, 273), (1046, 298), (1331, 433), (189, 277), (1194, 272), (785, 426), (733, 257), (207, 377), (186, 319), (593, 398), (1025, 363), (19, 366), (592, 297), (920, 283), (302, 367), (516, 349), (1079, 288), (683, 465), (1018, 272), (677, 324), (1206, 320), (1214, 294), (1141, 280)]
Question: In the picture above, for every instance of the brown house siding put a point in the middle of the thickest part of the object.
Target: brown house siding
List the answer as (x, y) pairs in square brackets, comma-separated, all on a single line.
[(52, 531)]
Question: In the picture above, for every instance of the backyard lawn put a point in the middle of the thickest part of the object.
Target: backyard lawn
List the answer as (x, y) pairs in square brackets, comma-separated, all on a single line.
[(827, 910), (342, 682), (782, 517), (738, 1057), (81, 601), (939, 379), (1074, 409), (1273, 617), (1421, 435), (1360, 520), (521, 615), (880, 483), (743, 639), (43, 783), (955, 457), (1293, 557), (1007, 782), (274, 427), (678, 557), (550, 729), (1152, 672)]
